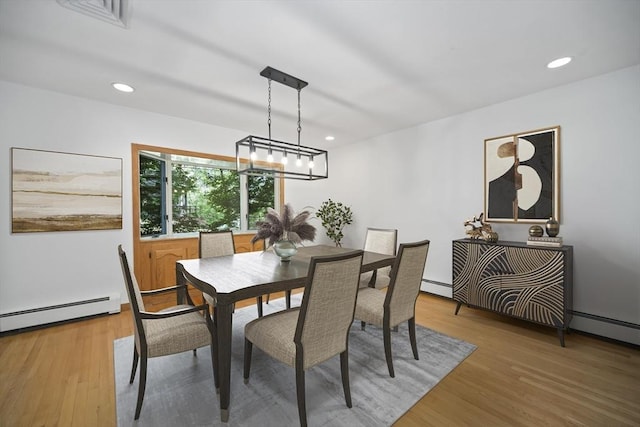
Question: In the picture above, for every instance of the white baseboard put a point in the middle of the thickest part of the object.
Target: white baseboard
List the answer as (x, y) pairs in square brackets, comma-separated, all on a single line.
[(56, 313), (437, 288)]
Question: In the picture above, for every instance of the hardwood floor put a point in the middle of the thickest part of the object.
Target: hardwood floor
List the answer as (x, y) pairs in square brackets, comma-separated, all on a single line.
[(518, 376)]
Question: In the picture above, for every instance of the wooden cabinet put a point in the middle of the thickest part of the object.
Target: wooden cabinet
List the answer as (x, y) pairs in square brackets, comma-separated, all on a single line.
[(532, 283), (155, 259), (242, 242)]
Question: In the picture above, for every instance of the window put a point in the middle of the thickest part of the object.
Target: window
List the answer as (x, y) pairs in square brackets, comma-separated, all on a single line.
[(183, 193)]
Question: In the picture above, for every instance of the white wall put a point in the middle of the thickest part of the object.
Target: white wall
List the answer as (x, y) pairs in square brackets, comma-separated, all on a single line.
[(425, 181), (42, 269)]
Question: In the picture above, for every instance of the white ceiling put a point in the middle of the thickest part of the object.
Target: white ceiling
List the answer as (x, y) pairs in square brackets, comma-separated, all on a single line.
[(372, 66)]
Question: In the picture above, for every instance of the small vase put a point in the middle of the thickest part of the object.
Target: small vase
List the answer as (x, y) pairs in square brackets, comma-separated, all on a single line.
[(553, 227), (491, 237), (536, 231), (285, 249)]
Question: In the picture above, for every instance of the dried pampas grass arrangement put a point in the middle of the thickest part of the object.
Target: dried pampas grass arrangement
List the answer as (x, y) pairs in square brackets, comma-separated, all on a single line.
[(285, 225)]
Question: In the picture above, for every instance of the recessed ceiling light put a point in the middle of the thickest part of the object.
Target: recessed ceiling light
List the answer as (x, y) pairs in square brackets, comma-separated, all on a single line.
[(329, 138), (559, 62), (122, 87)]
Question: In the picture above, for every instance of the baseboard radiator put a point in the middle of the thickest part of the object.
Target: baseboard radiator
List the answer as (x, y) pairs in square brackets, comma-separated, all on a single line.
[(60, 312), (437, 288)]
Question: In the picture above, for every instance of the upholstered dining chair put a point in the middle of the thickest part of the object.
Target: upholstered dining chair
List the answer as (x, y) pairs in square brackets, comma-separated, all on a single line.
[(305, 336), (287, 293), (168, 331), (214, 244), (382, 241), (398, 304)]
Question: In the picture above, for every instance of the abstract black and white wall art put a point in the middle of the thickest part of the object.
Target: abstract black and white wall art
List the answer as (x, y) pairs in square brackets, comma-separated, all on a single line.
[(521, 177)]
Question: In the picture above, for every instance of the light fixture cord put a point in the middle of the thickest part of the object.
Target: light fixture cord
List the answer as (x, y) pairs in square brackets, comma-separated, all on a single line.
[(269, 111), (299, 122)]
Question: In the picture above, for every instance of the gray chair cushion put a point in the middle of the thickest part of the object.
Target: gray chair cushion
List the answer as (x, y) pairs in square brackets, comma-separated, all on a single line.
[(369, 307), (274, 334), (176, 334), (382, 241)]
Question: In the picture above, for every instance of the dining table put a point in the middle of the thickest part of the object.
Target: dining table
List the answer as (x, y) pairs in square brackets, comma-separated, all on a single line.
[(241, 276)]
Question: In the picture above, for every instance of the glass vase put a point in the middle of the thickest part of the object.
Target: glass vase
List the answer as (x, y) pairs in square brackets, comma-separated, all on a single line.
[(285, 249)]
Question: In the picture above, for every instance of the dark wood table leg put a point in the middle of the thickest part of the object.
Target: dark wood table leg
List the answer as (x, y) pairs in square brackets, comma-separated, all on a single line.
[(224, 314), (181, 281)]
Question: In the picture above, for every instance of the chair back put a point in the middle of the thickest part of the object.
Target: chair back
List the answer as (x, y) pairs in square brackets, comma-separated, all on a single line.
[(216, 243), (382, 241), (328, 307), (135, 297), (406, 276)]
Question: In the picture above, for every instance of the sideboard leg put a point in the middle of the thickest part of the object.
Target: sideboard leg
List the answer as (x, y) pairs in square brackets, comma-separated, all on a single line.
[(561, 336), (458, 307)]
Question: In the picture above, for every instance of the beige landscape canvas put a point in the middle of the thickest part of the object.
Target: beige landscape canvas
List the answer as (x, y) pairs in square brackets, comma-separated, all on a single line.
[(53, 191)]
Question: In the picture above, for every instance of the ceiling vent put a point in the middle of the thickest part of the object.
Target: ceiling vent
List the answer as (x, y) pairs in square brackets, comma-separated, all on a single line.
[(113, 11)]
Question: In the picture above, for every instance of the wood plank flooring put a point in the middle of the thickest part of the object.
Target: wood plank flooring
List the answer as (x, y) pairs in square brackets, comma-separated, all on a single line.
[(518, 376)]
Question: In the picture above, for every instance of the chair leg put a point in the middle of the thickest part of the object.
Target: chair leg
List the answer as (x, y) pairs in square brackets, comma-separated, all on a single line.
[(386, 332), (248, 347), (143, 384), (259, 305), (412, 337), (135, 365), (287, 297), (268, 298), (344, 370), (300, 391), (362, 325)]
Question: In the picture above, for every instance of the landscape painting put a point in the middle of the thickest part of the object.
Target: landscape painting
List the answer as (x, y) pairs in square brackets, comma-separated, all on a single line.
[(54, 191)]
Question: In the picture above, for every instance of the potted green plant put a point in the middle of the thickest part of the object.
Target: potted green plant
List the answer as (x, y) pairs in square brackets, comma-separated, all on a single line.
[(334, 216)]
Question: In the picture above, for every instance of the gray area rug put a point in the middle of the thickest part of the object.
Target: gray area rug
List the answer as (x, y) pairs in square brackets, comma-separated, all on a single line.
[(180, 389)]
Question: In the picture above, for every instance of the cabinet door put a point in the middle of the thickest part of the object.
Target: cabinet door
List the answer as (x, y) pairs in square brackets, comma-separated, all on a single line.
[(535, 288), (155, 260), (478, 270), (163, 266), (242, 243)]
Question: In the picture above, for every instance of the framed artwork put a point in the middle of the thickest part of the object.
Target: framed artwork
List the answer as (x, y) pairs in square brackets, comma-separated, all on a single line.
[(522, 177), (52, 191)]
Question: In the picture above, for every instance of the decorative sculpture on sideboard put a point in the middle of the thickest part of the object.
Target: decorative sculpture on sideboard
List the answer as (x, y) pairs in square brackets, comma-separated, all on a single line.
[(476, 228)]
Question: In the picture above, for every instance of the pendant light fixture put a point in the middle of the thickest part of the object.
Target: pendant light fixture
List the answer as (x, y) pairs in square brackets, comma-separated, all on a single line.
[(261, 156)]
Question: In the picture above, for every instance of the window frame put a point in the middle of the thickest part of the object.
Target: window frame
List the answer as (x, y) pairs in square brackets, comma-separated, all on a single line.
[(136, 150)]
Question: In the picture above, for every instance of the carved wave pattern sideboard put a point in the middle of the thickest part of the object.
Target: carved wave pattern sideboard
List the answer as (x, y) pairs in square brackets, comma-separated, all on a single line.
[(532, 283)]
